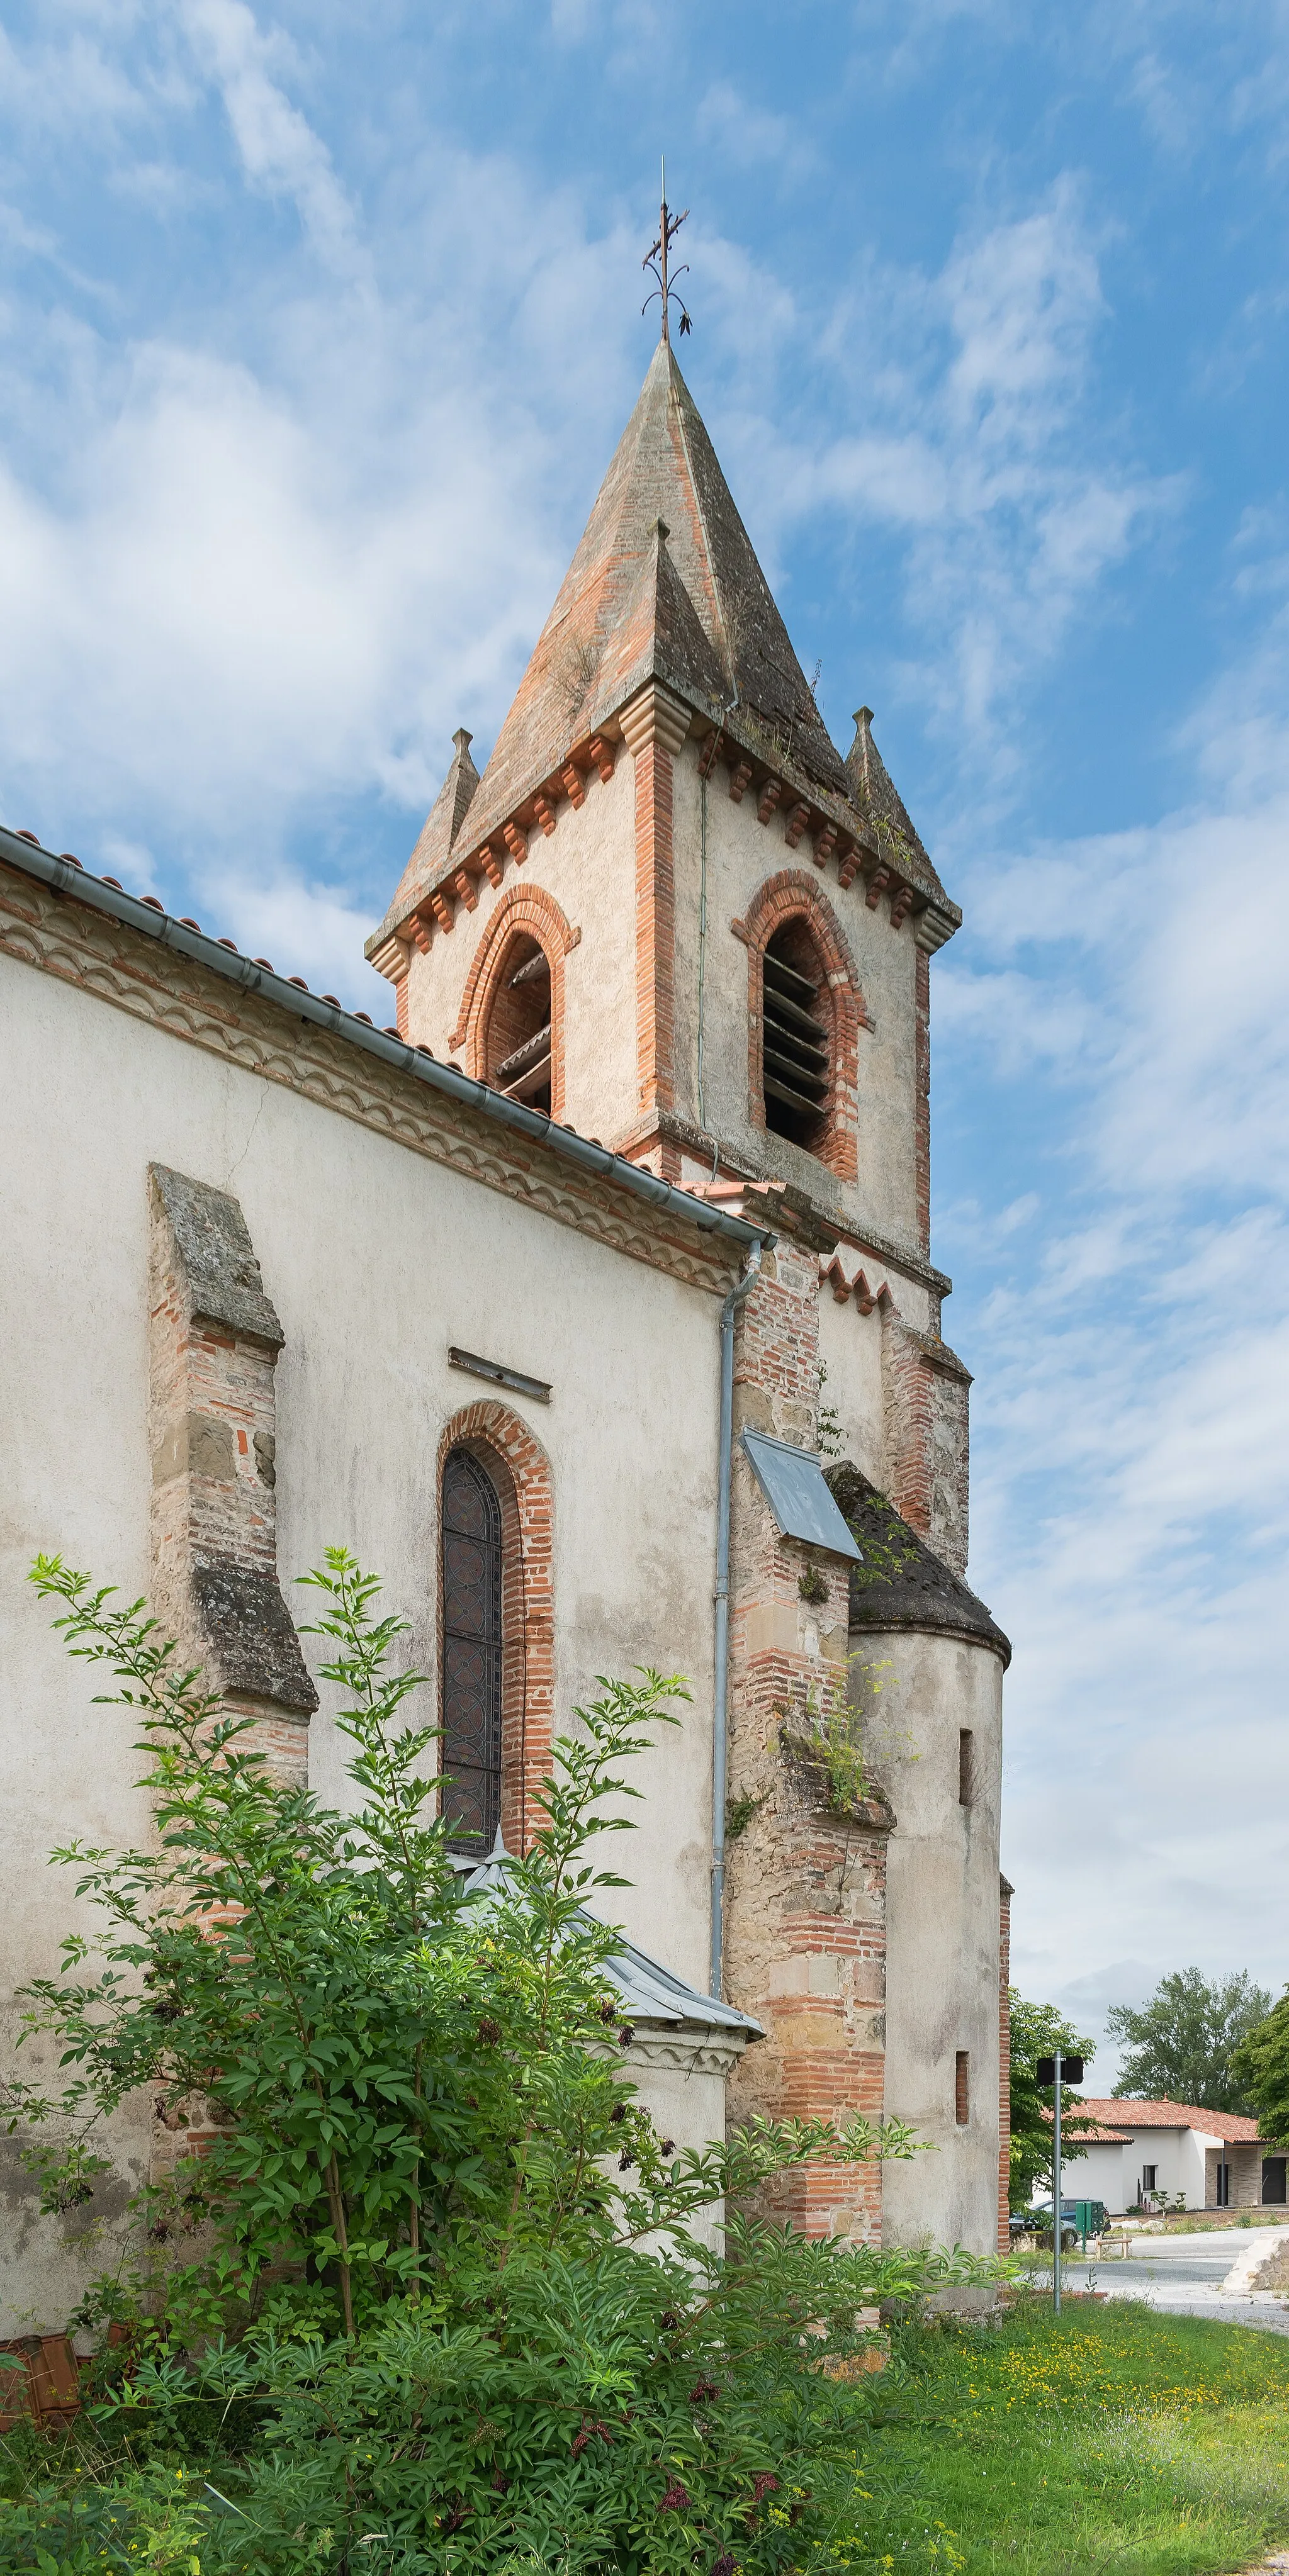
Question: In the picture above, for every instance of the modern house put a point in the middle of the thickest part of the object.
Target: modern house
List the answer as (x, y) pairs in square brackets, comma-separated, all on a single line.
[(1140, 2150)]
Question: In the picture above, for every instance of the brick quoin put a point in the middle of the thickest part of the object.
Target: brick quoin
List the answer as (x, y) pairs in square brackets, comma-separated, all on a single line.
[(527, 911), (794, 896), (655, 926), (520, 1473), (806, 1912), (922, 1102)]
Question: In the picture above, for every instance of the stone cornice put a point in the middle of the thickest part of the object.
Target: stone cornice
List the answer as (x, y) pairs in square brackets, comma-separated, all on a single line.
[(82, 934)]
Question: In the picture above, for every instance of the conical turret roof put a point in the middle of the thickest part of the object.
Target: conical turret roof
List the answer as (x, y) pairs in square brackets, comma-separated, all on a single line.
[(874, 792), (438, 832)]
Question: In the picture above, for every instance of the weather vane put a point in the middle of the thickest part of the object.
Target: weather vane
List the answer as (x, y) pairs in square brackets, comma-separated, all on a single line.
[(656, 261)]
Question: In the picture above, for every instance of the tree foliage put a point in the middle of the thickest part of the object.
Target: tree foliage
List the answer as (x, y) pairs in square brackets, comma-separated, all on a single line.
[(1036, 2031), (1260, 2072), (435, 2259), (1180, 2044)]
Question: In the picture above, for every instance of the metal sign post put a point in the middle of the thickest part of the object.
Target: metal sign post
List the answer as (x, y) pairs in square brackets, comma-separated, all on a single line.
[(1056, 2196), (1050, 2071)]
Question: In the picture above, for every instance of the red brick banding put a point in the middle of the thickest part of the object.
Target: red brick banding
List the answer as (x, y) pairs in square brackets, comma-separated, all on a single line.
[(793, 896), (922, 1101), (520, 1474), (655, 926)]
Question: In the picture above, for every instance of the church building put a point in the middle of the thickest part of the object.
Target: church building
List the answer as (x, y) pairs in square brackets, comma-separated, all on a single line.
[(591, 1303)]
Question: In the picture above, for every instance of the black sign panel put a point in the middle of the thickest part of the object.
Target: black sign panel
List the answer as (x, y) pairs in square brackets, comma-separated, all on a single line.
[(1071, 2070)]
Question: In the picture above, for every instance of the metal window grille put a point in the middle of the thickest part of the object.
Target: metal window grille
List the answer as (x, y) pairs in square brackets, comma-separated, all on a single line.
[(962, 2087)]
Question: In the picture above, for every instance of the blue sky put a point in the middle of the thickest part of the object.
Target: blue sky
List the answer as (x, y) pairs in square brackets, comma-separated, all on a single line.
[(318, 329)]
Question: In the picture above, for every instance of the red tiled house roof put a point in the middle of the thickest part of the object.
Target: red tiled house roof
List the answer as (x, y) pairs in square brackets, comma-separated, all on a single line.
[(1120, 2112)]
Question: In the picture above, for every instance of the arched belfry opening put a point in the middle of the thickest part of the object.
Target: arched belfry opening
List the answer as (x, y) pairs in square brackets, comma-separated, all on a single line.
[(796, 1036), (517, 1045)]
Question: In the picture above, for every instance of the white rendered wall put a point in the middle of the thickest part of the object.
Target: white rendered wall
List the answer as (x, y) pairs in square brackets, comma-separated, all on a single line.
[(376, 1260), (942, 1928)]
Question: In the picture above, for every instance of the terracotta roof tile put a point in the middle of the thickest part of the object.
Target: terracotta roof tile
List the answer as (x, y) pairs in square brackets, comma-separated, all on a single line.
[(1118, 2108)]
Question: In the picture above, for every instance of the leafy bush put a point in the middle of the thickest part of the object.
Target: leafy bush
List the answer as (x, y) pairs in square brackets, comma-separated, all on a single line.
[(435, 2294)]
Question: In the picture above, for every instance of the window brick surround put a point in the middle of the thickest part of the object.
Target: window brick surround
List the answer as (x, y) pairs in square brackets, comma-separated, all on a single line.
[(794, 896), (521, 1477), (526, 911)]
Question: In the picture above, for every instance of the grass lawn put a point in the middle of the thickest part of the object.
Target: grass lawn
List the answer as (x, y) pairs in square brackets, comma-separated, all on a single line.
[(1112, 2438)]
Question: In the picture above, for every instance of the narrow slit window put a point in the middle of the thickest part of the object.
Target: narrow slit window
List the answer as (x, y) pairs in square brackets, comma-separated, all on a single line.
[(964, 1766), (796, 1048), (519, 1042), (962, 2087), (471, 1689)]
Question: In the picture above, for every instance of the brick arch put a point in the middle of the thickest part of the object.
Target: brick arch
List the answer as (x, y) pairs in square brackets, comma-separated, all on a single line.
[(528, 910), (794, 896), (520, 1473)]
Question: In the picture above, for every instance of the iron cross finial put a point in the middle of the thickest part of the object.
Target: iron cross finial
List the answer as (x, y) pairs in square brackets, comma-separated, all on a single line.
[(656, 261)]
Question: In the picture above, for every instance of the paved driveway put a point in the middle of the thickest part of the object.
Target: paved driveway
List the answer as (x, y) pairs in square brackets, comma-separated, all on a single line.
[(1186, 2275)]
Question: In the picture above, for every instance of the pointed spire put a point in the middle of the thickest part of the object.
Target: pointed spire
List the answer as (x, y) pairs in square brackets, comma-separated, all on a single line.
[(875, 793), (707, 584), (438, 832)]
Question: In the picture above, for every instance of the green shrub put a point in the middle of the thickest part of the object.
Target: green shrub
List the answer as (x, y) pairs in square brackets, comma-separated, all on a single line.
[(438, 2296)]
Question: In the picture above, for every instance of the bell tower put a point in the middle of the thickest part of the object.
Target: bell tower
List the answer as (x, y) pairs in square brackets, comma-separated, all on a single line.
[(670, 914)]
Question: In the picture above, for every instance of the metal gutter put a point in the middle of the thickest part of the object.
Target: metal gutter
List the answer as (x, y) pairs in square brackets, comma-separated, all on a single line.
[(66, 877)]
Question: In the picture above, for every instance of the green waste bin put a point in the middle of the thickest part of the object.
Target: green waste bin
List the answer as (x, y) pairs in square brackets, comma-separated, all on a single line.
[(1086, 2217)]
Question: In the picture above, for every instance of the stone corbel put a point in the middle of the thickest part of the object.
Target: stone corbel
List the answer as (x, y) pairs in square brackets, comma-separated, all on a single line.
[(653, 715)]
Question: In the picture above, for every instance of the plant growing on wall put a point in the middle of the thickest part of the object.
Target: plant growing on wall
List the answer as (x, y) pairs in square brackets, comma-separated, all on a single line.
[(451, 2271)]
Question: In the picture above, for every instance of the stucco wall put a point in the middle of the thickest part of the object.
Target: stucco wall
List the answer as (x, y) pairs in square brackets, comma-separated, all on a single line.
[(587, 865), (376, 1260), (741, 854), (942, 1925)]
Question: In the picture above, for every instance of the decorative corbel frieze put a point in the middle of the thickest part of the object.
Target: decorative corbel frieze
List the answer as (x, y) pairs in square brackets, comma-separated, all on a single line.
[(493, 865), (441, 907), (798, 817), (708, 755), (825, 844), (771, 791), (544, 809), (876, 887), (604, 755), (516, 842), (573, 784), (740, 780), (467, 889)]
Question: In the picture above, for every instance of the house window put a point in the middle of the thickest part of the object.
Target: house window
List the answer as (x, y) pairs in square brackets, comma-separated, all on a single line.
[(1148, 2173), (962, 2087), (796, 1042), (964, 1766), (471, 1677), (1273, 2177), (517, 1053)]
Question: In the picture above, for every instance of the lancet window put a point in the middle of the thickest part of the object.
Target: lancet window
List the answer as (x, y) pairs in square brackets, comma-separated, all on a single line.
[(472, 1653), (796, 1045), (518, 1039)]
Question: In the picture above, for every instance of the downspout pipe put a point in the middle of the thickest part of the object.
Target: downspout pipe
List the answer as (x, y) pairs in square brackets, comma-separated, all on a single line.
[(720, 1730)]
